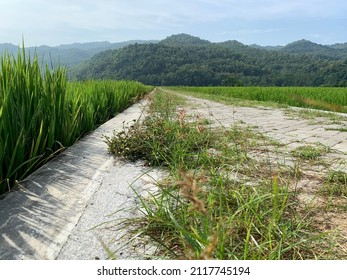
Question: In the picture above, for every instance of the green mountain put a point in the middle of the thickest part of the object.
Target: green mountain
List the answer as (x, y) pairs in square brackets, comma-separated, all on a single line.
[(186, 60), (183, 59), (70, 54), (339, 46), (269, 48), (180, 40), (308, 47)]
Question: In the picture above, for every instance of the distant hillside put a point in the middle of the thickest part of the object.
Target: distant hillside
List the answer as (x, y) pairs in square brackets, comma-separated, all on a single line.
[(183, 40), (70, 54), (304, 46), (183, 59), (95, 47), (339, 46), (187, 60), (269, 48), (308, 47), (8, 48)]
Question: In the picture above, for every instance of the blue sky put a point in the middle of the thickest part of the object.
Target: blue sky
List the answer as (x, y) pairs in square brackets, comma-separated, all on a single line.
[(263, 22)]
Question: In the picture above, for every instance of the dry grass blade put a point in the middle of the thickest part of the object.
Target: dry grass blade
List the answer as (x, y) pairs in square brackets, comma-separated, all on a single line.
[(190, 189)]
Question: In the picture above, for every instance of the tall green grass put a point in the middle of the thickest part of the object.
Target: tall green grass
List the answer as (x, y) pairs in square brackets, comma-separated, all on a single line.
[(41, 112), (326, 98)]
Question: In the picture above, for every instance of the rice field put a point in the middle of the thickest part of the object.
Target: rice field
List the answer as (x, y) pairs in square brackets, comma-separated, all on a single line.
[(41, 112), (325, 98)]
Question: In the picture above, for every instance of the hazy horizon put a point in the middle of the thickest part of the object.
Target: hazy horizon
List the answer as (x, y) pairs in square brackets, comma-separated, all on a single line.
[(106, 41)]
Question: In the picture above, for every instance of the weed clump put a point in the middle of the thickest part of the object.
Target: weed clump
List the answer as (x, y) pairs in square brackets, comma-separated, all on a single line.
[(309, 152), (164, 139), (335, 184), (202, 212)]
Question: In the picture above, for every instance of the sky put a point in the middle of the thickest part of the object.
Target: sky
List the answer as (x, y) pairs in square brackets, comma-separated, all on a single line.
[(262, 22)]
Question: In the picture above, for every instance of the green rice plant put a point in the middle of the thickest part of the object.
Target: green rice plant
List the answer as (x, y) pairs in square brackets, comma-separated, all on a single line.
[(41, 113), (23, 132)]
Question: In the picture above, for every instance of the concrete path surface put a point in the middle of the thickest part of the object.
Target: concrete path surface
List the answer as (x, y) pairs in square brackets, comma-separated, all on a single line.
[(50, 215), (283, 125)]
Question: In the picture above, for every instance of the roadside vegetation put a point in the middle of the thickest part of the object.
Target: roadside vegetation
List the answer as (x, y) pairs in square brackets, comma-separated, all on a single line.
[(223, 198), (324, 98), (41, 113)]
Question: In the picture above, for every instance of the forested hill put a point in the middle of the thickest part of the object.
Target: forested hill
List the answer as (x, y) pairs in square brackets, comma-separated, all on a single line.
[(67, 55), (187, 60)]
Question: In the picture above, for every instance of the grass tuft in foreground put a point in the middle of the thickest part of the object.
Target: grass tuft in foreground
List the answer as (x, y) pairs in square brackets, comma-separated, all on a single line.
[(204, 211)]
